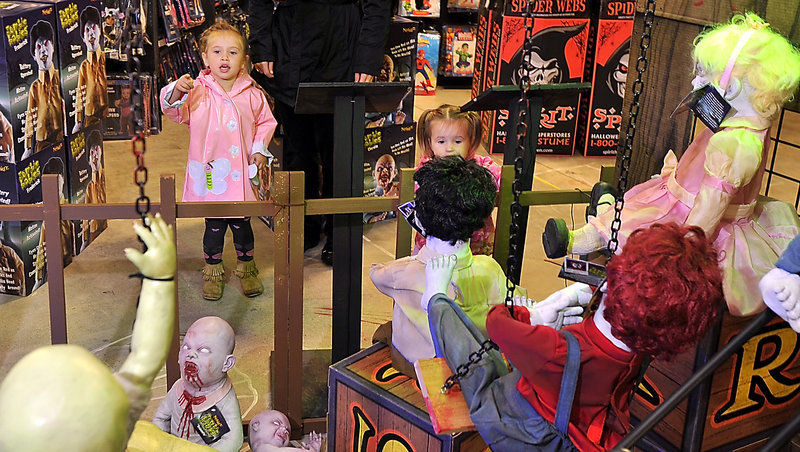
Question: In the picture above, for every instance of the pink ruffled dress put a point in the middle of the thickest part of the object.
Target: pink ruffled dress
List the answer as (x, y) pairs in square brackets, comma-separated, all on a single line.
[(482, 240), (715, 185)]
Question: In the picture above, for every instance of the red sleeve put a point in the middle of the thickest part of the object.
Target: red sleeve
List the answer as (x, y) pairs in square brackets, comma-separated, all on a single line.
[(527, 347)]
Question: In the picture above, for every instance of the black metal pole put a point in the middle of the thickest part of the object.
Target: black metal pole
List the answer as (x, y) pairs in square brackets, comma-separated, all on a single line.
[(783, 436), (717, 360)]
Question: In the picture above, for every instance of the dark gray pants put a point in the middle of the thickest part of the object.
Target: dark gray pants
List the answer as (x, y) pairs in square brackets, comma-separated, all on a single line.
[(504, 419)]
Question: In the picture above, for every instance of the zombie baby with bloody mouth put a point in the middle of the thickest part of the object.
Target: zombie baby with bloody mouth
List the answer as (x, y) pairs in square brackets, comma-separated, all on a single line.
[(202, 405)]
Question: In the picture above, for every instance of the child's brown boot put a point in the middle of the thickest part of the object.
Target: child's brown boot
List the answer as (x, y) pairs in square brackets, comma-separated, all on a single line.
[(248, 273), (214, 277)]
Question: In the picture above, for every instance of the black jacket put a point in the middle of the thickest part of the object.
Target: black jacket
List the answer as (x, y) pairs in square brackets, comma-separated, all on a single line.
[(316, 41)]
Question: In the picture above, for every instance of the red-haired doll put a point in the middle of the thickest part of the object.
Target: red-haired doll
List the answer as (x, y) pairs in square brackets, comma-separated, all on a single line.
[(664, 292)]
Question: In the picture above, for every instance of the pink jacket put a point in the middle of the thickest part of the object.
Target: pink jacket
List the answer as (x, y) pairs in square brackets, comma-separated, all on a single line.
[(225, 129)]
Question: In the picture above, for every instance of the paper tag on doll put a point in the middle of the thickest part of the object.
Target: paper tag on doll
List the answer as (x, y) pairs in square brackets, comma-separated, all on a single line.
[(579, 270), (707, 104), (410, 214), (210, 425)]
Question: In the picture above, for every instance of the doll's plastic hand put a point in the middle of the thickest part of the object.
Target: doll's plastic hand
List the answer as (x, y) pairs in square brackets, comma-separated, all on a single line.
[(184, 84), (438, 274), (781, 293), (314, 442), (159, 259), (561, 308)]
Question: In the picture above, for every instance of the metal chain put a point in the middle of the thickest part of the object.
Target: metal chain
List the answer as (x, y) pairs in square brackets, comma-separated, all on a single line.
[(638, 85), (134, 47), (523, 105), (462, 369), (514, 228)]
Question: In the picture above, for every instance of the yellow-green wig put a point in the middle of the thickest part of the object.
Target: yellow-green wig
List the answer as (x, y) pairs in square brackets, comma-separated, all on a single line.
[(767, 61)]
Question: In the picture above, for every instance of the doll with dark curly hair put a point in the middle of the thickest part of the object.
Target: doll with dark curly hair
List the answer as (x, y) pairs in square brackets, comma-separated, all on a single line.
[(452, 201), (663, 293)]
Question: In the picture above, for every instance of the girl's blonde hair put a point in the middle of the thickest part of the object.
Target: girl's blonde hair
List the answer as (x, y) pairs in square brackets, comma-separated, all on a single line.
[(449, 113), (218, 27), (768, 62)]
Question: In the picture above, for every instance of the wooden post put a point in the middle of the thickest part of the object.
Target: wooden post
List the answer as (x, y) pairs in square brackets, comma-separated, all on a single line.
[(55, 264), (168, 213), (288, 295), (403, 244)]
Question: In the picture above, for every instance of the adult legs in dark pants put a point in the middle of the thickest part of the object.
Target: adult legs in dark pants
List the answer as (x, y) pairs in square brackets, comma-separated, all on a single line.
[(309, 145)]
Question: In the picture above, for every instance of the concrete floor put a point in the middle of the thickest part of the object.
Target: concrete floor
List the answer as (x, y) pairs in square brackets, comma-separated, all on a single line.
[(101, 299)]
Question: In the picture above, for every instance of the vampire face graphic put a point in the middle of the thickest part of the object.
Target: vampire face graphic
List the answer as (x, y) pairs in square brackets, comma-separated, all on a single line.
[(90, 28), (43, 47), (547, 63)]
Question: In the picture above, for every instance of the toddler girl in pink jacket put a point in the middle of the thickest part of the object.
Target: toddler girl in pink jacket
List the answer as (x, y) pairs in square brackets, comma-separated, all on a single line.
[(230, 125)]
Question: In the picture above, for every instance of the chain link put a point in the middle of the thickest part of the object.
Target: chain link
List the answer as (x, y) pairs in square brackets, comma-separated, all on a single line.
[(523, 106), (134, 46), (462, 369), (638, 86), (512, 264)]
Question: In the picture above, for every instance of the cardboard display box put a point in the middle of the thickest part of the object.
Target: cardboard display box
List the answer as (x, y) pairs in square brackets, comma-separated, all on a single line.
[(25, 238), (399, 61), (611, 64), (386, 151), (372, 406), (31, 101), (22, 266), (88, 177)]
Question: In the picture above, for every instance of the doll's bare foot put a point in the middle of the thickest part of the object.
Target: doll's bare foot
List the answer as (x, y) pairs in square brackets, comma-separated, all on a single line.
[(438, 274)]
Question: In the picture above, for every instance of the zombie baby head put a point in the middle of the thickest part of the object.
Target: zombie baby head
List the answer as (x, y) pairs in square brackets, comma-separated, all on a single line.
[(206, 354)]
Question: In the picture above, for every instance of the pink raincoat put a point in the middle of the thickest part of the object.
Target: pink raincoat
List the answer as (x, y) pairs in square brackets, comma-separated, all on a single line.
[(225, 129)]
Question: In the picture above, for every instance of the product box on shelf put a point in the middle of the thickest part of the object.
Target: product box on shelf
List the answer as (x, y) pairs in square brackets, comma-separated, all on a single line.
[(31, 101), (87, 174), (423, 8), (427, 63), (22, 267), (398, 66), (386, 151), (22, 184), (118, 124), (458, 51), (559, 56), (462, 6), (612, 50)]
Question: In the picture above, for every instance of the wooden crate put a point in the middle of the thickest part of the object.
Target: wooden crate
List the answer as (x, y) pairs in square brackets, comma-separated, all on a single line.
[(373, 407), (748, 398)]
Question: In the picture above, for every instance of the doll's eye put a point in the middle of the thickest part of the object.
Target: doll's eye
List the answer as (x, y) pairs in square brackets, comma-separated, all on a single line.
[(205, 350)]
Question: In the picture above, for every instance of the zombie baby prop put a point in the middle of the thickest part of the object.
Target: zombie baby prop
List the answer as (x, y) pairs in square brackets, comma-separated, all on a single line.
[(202, 406)]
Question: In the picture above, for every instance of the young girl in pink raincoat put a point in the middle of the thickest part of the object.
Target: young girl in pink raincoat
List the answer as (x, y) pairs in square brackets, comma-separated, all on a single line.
[(230, 124)]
